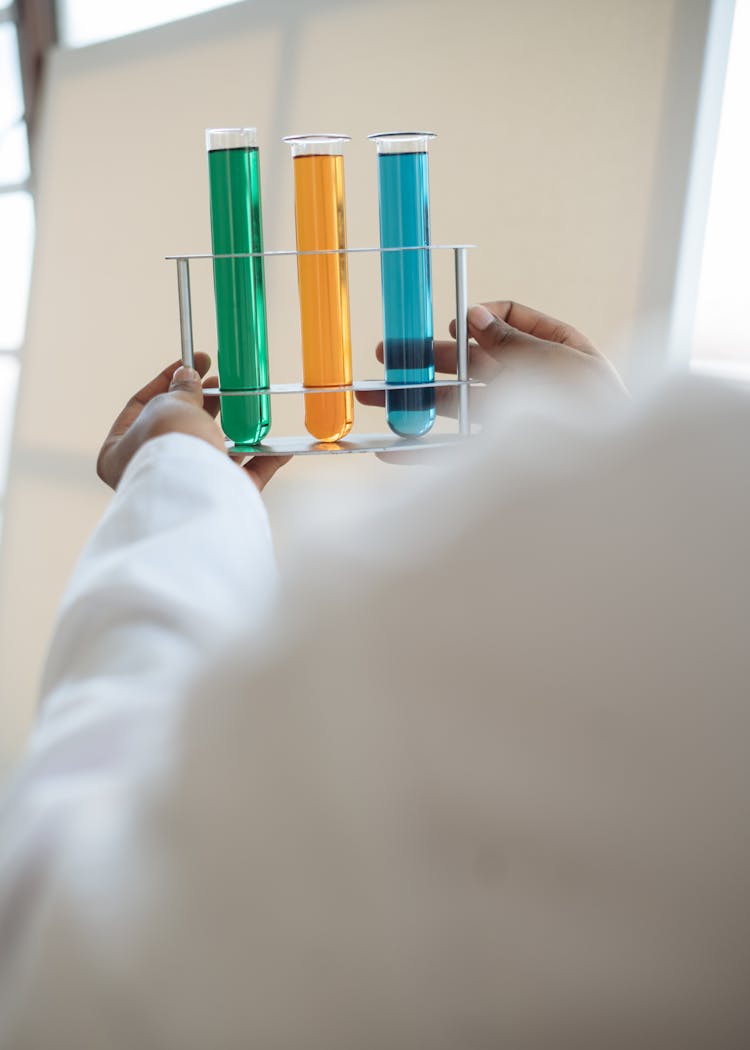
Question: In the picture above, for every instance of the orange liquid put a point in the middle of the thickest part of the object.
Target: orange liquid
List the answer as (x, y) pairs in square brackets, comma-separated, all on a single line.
[(324, 294)]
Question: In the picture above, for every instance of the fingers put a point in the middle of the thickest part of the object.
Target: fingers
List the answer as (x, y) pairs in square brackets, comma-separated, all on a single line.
[(503, 327), (161, 383), (202, 362), (540, 325), (481, 365), (502, 324), (158, 385), (445, 354), (375, 398), (531, 322), (446, 399), (262, 468), (446, 361), (493, 333), (186, 384)]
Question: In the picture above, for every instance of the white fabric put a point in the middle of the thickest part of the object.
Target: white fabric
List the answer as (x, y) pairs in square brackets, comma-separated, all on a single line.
[(524, 823)]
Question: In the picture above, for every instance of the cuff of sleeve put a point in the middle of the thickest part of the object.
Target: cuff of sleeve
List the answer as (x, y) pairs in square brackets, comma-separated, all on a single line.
[(185, 452)]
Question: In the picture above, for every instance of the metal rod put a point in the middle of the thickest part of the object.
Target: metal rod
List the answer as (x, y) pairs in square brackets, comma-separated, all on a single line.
[(324, 251), (462, 341), (186, 313), (361, 384)]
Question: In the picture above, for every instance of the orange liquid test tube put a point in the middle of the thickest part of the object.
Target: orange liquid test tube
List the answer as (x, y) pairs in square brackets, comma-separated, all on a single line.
[(323, 281)]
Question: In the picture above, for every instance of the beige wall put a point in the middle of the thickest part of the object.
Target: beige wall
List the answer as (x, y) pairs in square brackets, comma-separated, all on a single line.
[(549, 115)]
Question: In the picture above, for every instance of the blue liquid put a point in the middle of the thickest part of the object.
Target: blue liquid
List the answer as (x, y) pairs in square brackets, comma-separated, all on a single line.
[(407, 290)]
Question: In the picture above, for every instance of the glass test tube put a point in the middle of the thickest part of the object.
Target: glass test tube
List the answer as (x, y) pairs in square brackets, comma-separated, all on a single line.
[(323, 281), (404, 195), (239, 284)]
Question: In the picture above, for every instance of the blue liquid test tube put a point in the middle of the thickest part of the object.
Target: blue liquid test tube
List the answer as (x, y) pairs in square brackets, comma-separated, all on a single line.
[(404, 196)]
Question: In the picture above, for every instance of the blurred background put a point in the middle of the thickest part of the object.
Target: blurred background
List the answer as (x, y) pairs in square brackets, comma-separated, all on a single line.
[(594, 150)]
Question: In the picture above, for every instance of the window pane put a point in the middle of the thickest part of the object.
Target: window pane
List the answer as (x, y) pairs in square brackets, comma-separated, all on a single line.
[(86, 21), (8, 382), (17, 224), (11, 93), (14, 155), (721, 330)]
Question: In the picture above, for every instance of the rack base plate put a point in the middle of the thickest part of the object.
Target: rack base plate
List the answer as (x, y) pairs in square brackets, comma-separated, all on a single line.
[(308, 446)]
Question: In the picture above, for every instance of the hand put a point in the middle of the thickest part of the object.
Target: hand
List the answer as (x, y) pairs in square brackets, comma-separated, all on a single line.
[(173, 403), (514, 340)]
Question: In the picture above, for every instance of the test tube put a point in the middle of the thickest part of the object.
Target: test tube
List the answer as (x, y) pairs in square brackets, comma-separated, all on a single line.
[(404, 196), (239, 284), (323, 281)]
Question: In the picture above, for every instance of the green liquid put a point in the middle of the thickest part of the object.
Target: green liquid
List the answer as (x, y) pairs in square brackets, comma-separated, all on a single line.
[(239, 286)]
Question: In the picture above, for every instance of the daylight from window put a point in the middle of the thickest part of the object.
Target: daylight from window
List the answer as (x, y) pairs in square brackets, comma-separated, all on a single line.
[(16, 231), (721, 340), (88, 21)]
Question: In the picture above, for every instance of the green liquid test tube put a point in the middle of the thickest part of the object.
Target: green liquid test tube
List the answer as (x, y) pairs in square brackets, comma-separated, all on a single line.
[(239, 284)]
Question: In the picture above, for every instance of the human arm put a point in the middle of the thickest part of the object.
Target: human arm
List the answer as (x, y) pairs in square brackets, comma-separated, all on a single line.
[(181, 557), (186, 538)]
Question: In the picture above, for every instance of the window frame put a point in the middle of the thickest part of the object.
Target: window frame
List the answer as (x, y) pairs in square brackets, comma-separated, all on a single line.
[(36, 32)]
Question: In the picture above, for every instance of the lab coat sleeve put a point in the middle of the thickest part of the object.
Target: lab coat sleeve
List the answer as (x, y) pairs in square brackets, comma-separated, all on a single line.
[(182, 555)]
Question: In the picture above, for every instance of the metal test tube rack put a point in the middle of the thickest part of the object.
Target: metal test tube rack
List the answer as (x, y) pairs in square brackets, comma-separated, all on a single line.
[(355, 443)]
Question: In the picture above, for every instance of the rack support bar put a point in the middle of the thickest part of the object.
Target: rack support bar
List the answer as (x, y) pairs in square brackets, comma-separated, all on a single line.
[(462, 340), (186, 313)]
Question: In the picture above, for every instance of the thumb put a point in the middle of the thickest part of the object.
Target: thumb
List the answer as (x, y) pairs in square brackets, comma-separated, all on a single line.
[(186, 382), (493, 334)]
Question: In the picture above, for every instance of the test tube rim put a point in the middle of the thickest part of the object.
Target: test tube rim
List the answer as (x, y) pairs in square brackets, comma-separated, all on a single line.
[(323, 136), (407, 136), (251, 132)]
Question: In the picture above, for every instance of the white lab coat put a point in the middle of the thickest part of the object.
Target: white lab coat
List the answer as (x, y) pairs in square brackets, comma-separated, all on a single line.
[(524, 824)]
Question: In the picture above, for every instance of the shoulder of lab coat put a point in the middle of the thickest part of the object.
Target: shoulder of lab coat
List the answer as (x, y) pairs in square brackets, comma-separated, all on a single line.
[(484, 790)]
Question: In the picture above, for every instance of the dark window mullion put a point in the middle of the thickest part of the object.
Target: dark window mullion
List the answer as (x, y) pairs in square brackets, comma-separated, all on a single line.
[(37, 33)]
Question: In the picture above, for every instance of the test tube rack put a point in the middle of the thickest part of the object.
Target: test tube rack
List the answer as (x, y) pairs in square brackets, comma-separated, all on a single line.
[(304, 445)]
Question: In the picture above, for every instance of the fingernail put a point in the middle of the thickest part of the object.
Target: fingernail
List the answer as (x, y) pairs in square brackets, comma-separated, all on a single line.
[(183, 374), (480, 318)]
